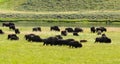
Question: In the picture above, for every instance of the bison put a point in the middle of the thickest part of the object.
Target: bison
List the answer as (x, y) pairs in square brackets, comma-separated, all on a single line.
[(103, 39), (75, 34), (78, 30), (17, 31), (55, 28), (36, 29), (1, 32), (69, 29), (7, 24), (12, 27), (13, 37), (92, 29), (75, 44), (102, 29), (64, 33), (33, 38)]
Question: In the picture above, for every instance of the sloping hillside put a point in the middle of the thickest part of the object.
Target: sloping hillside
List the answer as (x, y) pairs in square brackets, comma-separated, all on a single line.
[(60, 9), (59, 5)]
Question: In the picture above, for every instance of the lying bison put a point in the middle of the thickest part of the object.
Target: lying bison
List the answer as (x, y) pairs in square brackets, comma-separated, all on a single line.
[(33, 38), (13, 37), (103, 39), (55, 28), (69, 29), (78, 30), (83, 41), (36, 29), (102, 29), (75, 44)]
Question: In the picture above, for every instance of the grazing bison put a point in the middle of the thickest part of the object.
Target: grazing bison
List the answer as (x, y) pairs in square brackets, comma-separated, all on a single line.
[(78, 30), (36, 29), (102, 29), (1, 32), (75, 44), (17, 31), (55, 28), (64, 33), (33, 38), (103, 39), (69, 29), (7, 24), (92, 29), (13, 37), (75, 34)]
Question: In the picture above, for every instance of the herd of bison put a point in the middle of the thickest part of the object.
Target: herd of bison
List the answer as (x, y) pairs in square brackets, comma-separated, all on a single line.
[(57, 39)]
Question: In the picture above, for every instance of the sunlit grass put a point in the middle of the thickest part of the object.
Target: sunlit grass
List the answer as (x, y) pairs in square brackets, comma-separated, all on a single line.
[(23, 52)]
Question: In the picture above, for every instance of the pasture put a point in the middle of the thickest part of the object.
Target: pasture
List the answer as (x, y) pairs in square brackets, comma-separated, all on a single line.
[(24, 52)]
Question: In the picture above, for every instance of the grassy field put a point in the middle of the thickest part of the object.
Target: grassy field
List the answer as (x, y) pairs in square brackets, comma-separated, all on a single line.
[(23, 52)]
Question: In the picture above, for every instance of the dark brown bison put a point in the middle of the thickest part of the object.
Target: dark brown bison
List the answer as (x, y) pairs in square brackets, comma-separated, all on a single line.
[(83, 41), (75, 34), (64, 33), (7, 24), (78, 30), (50, 41), (102, 29), (13, 37), (17, 31), (92, 29), (55, 28), (33, 38), (75, 44), (103, 39), (36, 29), (1, 32), (12, 27), (27, 36), (69, 29)]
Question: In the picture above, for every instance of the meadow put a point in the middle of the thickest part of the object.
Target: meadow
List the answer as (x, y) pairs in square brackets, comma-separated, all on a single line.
[(24, 52)]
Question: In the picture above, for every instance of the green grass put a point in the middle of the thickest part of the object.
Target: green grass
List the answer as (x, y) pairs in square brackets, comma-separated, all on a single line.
[(23, 52)]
